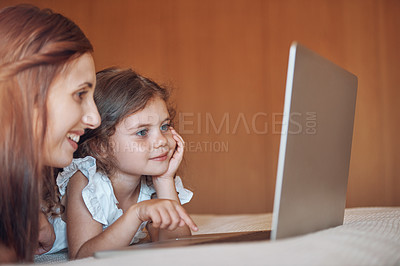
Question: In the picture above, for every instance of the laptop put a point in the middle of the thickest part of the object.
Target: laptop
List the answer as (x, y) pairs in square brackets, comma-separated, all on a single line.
[(314, 154)]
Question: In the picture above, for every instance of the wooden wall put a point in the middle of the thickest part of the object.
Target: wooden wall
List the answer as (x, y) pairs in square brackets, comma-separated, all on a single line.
[(227, 62)]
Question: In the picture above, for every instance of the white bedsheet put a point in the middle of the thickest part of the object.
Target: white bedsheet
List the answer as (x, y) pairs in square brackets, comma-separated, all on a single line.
[(369, 236)]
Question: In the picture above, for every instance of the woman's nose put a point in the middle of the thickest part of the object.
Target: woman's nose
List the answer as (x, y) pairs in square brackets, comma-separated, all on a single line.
[(91, 118)]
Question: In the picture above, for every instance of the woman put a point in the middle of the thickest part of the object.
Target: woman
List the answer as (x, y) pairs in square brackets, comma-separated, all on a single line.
[(47, 80)]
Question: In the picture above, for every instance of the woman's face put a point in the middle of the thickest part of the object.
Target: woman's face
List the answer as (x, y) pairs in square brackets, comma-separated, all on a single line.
[(71, 109)]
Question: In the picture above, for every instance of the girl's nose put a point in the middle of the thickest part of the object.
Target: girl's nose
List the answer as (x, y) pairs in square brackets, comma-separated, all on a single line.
[(160, 140), (91, 118)]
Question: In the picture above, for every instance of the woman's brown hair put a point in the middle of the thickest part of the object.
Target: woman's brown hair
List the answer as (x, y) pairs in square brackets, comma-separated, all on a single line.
[(35, 45), (119, 93)]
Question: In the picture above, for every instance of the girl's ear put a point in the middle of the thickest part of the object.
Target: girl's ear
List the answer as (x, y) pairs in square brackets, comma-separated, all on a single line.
[(109, 147), (99, 148)]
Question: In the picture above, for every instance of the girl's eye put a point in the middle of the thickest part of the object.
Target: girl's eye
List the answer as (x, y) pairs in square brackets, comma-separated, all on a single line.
[(142, 133), (165, 127)]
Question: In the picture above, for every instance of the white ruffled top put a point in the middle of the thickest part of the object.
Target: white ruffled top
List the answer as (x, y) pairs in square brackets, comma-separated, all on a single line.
[(100, 200)]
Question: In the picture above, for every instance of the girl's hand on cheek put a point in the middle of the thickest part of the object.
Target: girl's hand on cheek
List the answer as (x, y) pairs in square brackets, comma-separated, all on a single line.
[(163, 214), (176, 158)]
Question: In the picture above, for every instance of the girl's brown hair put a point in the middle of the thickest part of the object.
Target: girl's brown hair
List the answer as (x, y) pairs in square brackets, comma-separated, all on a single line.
[(35, 45), (119, 93)]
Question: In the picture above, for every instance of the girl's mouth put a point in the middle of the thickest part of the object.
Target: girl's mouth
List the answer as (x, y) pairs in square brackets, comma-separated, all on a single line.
[(160, 158)]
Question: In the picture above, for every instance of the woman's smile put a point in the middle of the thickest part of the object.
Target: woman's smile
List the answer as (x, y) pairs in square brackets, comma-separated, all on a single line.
[(73, 138)]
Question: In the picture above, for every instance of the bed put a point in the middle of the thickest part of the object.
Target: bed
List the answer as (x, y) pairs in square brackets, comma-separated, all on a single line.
[(369, 236)]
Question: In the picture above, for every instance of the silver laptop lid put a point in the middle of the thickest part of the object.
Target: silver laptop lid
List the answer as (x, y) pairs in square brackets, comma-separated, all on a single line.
[(314, 154)]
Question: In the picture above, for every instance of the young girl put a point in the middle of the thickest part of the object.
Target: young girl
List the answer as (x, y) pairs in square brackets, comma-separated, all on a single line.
[(129, 159)]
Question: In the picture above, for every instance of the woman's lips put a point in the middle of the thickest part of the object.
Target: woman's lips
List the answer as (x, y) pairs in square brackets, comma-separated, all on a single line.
[(73, 138), (160, 158), (73, 144)]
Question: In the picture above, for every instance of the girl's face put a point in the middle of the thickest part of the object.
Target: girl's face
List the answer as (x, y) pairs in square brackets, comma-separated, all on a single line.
[(71, 109), (143, 143)]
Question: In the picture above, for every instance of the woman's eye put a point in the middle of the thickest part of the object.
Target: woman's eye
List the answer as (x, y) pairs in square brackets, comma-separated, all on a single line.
[(142, 133), (165, 127), (80, 94)]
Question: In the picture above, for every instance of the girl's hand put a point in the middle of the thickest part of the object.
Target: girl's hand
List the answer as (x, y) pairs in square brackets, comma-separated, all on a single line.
[(176, 158), (165, 184), (164, 214)]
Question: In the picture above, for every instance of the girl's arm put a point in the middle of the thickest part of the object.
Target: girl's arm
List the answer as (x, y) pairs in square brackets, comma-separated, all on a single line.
[(46, 235), (86, 236), (165, 189), (162, 234)]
